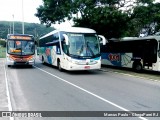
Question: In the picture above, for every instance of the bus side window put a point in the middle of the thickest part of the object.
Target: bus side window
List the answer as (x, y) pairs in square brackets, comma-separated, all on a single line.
[(55, 37)]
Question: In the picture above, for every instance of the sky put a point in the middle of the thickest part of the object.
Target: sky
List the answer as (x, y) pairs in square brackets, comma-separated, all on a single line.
[(11, 10)]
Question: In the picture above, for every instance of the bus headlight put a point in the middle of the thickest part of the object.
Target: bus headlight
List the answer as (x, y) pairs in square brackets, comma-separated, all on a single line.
[(11, 58), (69, 59), (31, 58), (75, 62), (72, 60)]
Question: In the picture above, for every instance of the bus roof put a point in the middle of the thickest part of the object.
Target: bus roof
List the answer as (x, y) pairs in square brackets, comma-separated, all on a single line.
[(71, 29), (140, 38), (20, 36)]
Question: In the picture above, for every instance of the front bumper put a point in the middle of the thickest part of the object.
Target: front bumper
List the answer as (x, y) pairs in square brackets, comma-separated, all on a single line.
[(10, 62), (72, 67)]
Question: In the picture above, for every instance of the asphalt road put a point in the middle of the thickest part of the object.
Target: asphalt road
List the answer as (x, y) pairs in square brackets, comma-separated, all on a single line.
[(44, 88)]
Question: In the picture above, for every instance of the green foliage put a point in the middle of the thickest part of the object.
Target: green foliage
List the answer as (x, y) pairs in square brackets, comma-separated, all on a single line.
[(2, 52), (29, 28), (112, 18), (148, 17), (54, 10), (2, 43), (2, 48)]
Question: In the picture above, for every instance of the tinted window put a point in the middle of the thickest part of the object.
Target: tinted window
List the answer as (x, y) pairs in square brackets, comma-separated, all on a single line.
[(49, 40)]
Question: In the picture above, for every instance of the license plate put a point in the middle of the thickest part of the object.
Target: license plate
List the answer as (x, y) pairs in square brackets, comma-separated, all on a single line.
[(87, 67), (19, 60)]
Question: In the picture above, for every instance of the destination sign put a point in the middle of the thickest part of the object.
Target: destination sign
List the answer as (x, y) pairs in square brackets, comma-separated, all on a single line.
[(20, 37)]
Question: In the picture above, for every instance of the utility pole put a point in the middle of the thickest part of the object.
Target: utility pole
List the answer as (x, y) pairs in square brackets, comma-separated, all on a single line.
[(10, 27), (13, 23), (22, 19)]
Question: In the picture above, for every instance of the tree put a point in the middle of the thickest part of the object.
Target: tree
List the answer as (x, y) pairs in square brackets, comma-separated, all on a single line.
[(2, 43), (148, 17), (54, 10), (112, 18)]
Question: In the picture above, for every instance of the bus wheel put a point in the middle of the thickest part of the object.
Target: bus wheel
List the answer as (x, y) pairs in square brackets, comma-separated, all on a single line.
[(137, 66), (43, 60), (59, 65), (9, 65)]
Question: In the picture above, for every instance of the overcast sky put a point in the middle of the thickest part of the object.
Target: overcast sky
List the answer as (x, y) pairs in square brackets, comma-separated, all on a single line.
[(12, 10), (8, 8)]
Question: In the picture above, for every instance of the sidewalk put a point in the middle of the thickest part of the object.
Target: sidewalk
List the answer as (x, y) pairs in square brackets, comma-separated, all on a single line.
[(3, 96)]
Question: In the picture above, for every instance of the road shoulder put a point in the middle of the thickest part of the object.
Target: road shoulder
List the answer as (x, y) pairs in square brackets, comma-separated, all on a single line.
[(3, 95), (149, 75)]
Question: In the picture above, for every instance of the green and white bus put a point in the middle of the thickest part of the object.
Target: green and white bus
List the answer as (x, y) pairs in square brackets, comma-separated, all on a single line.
[(73, 48)]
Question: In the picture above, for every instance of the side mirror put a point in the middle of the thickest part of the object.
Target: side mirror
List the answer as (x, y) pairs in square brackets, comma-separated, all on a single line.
[(104, 41), (66, 39)]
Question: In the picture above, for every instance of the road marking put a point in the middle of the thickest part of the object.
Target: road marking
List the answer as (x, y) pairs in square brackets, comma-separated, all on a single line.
[(97, 96), (7, 92)]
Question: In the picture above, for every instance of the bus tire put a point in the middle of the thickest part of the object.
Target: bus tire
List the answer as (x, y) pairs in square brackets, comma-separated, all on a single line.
[(9, 65), (137, 66), (43, 60), (59, 65)]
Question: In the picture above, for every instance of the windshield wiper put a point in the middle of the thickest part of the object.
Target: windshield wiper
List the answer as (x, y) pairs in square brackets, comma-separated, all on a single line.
[(89, 48)]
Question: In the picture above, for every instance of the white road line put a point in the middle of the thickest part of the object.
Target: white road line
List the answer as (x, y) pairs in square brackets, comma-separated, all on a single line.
[(97, 96), (7, 92)]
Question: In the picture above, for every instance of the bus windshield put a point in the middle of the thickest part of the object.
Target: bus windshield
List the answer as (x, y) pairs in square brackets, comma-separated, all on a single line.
[(19, 47), (83, 45)]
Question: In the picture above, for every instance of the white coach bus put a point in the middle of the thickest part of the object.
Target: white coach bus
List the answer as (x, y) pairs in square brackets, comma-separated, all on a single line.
[(73, 48)]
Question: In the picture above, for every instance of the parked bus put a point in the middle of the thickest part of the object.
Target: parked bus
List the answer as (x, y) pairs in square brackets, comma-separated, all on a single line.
[(20, 49), (72, 48), (136, 53)]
